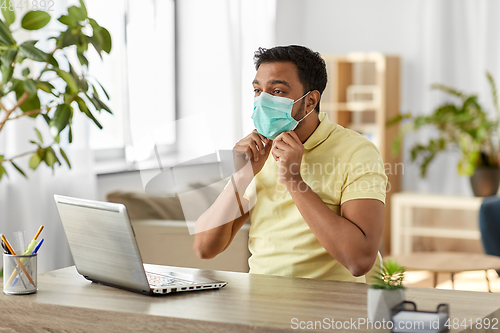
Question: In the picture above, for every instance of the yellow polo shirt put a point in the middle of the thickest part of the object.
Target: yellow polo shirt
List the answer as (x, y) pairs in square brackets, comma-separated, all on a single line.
[(339, 165)]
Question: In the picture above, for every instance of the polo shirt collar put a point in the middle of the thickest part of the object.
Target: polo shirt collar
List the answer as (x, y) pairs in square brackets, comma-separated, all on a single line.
[(322, 132)]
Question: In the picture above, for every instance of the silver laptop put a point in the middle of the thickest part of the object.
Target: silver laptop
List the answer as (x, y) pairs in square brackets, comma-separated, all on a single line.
[(105, 251)]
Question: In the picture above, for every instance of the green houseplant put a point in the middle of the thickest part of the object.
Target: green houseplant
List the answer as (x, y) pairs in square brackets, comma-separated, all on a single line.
[(387, 292), (28, 90), (463, 125)]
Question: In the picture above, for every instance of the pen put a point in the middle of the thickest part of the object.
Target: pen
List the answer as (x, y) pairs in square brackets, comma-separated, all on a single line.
[(28, 251), (17, 269), (33, 242), (18, 262), (37, 247), (6, 250), (34, 251)]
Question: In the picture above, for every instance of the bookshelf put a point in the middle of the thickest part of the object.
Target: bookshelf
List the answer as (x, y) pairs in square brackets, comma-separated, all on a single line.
[(362, 93)]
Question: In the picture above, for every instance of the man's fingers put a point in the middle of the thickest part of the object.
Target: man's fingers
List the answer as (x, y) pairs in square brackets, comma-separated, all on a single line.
[(277, 154), (255, 152), (262, 138), (290, 140), (280, 145), (285, 137), (258, 142)]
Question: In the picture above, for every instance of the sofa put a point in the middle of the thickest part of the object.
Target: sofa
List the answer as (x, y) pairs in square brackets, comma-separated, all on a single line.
[(163, 238)]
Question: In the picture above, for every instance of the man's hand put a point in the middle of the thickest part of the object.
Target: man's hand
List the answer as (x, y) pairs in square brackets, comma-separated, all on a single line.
[(254, 147), (288, 150)]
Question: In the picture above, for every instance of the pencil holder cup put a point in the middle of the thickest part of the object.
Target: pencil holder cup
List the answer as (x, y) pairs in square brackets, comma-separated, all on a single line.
[(19, 274)]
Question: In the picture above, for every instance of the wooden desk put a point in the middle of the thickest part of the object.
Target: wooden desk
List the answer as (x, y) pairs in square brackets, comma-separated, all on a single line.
[(403, 229), (249, 303)]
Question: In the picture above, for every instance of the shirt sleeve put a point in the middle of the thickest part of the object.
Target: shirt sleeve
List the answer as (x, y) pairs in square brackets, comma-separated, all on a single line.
[(364, 175)]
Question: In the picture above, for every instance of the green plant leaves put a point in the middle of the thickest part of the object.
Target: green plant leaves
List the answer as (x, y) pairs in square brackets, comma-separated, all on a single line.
[(18, 169), (83, 60), (390, 276), (464, 125), (448, 90), (104, 90), (83, 8), (101, 38), (65, 19), (5, 34), (68, 78), (83, 108), (77, 13), (105, 40), (63, 154), (57, 111), (31, 103), (50, 157), (30, 86), (35, 161), (2, 171), (35, 20), (8, 57), (68, 38), (60, 119), (9, 15), (39, 135), (30, 51), (7, 72), (45, 86)]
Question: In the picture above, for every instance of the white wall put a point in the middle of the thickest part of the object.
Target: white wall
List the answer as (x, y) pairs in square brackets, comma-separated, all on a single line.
[(338, 26), (449, 42)]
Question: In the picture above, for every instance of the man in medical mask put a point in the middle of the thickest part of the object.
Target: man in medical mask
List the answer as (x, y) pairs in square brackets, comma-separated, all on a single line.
[(319, 189)]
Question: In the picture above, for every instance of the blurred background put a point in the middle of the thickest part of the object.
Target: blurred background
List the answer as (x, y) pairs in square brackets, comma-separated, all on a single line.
[(172, 60)]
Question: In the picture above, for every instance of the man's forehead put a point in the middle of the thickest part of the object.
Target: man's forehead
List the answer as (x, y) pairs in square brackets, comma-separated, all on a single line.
[(277, 72)]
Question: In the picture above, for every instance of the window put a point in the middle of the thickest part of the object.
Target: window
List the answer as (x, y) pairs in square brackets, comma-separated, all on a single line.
[(139, 75)]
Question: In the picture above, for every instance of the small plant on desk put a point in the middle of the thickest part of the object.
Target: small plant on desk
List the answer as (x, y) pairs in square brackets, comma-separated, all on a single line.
[(387, 292)]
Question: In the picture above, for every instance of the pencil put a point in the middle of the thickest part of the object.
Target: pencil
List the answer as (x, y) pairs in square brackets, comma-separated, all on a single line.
[(32, 244), (38, 232), (19, 263)]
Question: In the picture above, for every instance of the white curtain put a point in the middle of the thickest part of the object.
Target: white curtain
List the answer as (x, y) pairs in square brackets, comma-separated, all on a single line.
[(25, 204), (217, 40), (458, 42)]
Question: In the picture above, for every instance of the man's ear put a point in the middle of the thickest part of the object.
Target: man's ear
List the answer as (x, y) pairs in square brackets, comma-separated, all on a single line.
[(312, 100)]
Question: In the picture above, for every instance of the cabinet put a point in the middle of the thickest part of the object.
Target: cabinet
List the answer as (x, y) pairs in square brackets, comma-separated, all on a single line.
[(362, 93), (403, 228)]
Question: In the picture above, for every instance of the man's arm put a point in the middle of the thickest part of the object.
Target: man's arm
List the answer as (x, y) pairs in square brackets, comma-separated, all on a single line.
[(353, 237), (217, 227), (220, 224)]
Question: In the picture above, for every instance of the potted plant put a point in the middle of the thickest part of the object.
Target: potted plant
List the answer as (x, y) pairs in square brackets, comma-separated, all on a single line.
[(387, 292), (28, 90), (464, 125)]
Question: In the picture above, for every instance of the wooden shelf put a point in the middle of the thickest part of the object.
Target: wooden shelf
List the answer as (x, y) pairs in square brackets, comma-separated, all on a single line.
[(353, 77), (442, 232), (403, 228), (355, 106)]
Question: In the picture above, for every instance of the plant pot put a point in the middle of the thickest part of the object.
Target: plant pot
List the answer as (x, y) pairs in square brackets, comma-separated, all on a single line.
[(485, 181), (381, 301)]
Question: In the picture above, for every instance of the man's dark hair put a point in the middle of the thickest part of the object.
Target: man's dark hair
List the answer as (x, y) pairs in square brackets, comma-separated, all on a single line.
[(310, 65)]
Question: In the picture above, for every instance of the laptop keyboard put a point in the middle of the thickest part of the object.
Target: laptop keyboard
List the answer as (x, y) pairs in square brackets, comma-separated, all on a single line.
[(165, 280)]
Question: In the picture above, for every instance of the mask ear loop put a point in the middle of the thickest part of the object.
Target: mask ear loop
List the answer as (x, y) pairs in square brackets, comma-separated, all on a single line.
[(302, 96), (298, 121)]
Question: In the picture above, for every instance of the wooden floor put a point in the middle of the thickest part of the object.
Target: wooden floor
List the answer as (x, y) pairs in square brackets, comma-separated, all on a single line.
[(473, 281)]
